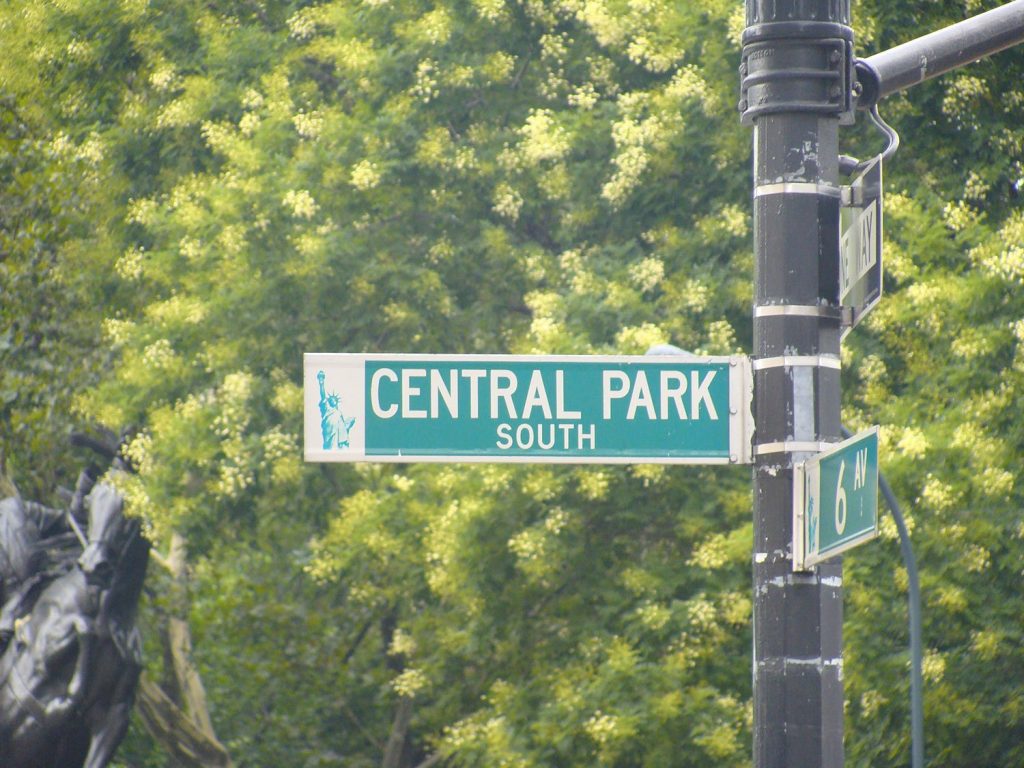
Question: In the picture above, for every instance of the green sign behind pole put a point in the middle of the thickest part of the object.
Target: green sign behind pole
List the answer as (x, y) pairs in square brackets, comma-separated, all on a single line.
[(508, 408), (835, 500)]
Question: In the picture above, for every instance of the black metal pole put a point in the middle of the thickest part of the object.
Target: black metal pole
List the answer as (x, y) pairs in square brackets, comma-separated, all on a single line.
[(797, 77), (939, 52)]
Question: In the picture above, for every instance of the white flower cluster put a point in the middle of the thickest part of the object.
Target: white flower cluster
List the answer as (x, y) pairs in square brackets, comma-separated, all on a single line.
[(287, 398), (938, 495), (703, 615), (542, 138), (507, 202), (248, 124), (499, 66), (91, 150), (277, 444), (425, 87), (638, 339), (959, 215), (134, 8), (594, 484), (300, 203), (365, 175), (142, 212), (129, 265), (159, 355), (137, 502), (402, 644), (602, 727), (302, 24), (986, 643), (696, 295), (409, 683), (60, 145), (436, 26), (630, 164), (180, 112), (607, 26), (1005, 262), (995, 482), (975, 188), (711, 553), (308, 124), (913, 443), (721, 337), (252, 99), (976, 558), (177, 310), (233, 399), (232, 239), (647, 53), (870, 702), (973, 343), (491, 10), (554, 48), (962, 93), (190, 248), (933, 666), (234, 476), (79, 50), (461, 734), (654, 616), (647, 273), (164, 78), (217, 135), (117, 332), (584, 97), (140, 453)]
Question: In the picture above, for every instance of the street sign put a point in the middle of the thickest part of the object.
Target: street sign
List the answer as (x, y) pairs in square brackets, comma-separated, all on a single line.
[(835, 500), (860, 245), (547, 409)]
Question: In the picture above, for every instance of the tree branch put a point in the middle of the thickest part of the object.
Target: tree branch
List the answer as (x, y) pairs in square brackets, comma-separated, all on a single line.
[(399, 730), (160, 560), (359, 724), (192, 691), (431, 761), (176, 732)]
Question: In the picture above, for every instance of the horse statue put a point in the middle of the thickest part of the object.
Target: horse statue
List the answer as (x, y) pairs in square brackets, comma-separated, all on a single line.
[(69, 673)]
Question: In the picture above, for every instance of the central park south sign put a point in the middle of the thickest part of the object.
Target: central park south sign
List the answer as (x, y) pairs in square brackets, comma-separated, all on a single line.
[(509, 408)]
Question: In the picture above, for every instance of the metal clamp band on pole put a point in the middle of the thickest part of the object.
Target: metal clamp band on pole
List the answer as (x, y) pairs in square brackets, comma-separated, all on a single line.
[(793, 361), (797, 310), (796, 188), (791, 446)]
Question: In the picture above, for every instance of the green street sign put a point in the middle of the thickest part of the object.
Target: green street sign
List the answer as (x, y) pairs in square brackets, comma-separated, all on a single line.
[(674, 409), (835, 500)]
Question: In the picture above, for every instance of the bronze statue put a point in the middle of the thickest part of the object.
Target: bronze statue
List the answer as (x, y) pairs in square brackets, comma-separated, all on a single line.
[(70, 654)]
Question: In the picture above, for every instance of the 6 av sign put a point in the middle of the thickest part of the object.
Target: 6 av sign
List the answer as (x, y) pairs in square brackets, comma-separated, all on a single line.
[(835, 500), (506, 408)]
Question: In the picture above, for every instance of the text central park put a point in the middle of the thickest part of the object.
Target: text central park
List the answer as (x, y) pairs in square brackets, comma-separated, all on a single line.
[(507, 395)]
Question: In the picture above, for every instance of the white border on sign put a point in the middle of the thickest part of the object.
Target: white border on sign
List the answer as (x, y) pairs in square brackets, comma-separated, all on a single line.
[(803, 558), (741, 397)]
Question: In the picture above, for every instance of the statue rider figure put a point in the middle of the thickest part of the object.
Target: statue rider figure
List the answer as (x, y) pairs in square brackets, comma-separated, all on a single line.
[(23, 526)]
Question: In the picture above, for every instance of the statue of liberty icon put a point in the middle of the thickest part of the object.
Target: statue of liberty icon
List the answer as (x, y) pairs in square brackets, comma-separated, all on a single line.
[(334, 426)]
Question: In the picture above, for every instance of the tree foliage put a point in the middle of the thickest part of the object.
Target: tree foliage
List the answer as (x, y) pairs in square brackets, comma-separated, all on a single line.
[(198, 193)]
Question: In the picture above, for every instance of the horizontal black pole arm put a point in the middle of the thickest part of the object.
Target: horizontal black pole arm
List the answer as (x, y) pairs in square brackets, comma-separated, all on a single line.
[(931, 55)]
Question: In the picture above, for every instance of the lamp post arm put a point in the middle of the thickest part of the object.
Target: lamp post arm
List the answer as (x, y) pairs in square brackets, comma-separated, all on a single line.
[(931, 55)]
